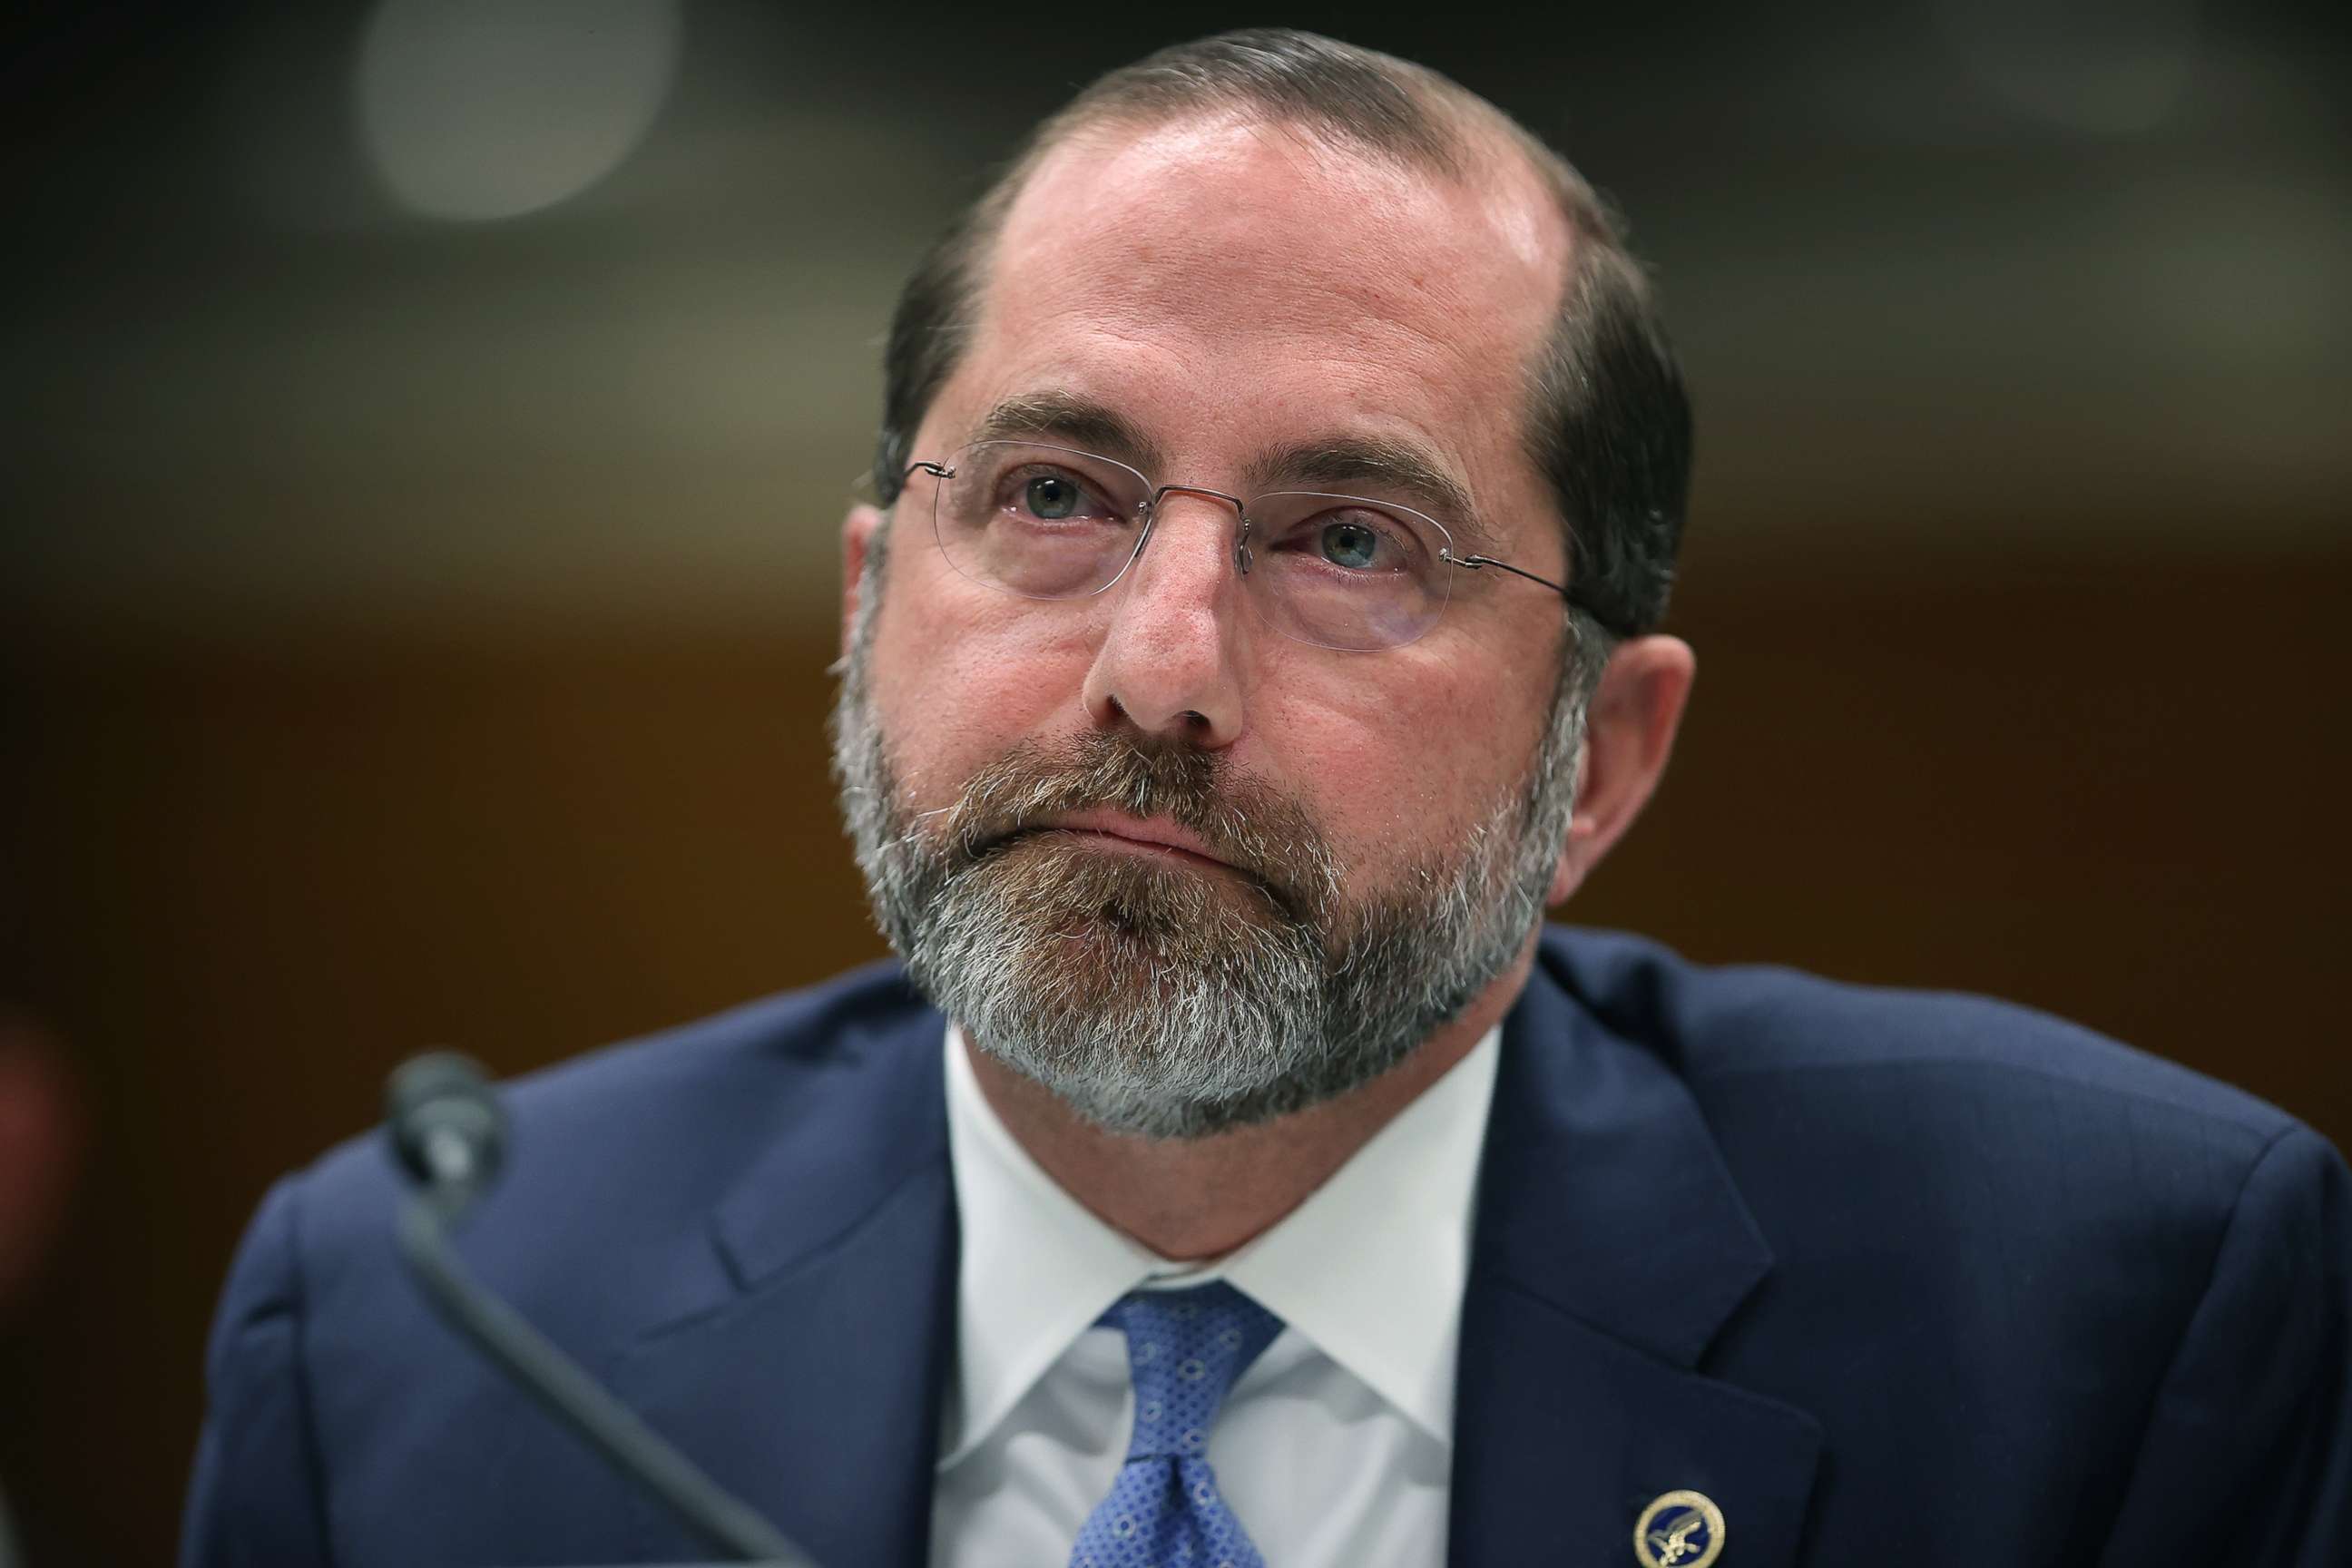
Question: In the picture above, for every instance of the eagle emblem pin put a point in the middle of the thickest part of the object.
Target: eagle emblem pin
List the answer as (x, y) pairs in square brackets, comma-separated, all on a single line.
[(1679, 1530)]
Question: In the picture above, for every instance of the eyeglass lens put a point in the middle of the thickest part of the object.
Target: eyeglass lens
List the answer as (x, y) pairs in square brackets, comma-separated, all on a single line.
[(1048, 522)]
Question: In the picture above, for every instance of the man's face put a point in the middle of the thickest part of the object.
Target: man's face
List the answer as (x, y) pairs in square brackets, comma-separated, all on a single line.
[(1364, 859)]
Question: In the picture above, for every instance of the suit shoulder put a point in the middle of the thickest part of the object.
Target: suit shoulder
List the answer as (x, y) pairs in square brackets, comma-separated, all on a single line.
[(833, 1024), (1718, 1026), (701, 1095)]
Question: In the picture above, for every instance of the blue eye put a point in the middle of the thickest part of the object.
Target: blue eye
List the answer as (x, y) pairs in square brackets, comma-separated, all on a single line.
[(1348, 544), (1053, 497)]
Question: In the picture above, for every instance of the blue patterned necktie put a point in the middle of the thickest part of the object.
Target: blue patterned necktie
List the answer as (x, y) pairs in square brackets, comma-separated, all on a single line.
[(1184, 1349)]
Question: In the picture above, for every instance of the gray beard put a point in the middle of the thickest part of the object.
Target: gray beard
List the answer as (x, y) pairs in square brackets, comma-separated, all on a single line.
[(1162, 1000)]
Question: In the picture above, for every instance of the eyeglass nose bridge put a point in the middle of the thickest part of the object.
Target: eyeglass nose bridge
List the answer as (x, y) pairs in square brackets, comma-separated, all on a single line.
[(1242, 556)]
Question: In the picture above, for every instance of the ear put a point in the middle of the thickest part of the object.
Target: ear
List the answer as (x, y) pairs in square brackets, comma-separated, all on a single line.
[(856, 536), (1629, 734)]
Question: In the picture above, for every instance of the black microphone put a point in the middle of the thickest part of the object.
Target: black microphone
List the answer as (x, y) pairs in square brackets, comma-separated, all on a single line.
[(448, 1130)]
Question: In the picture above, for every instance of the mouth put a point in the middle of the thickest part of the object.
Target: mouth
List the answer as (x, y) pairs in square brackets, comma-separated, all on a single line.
[(1154, 837)]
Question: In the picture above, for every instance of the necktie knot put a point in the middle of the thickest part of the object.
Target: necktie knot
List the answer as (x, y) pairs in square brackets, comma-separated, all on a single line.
[(1184, 1350)]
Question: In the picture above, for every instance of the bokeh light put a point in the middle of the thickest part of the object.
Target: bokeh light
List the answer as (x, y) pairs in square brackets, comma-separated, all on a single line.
[(490, 108)]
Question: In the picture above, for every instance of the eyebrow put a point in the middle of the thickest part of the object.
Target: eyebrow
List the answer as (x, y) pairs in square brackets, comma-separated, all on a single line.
[(1402, 470), (1064, 416)]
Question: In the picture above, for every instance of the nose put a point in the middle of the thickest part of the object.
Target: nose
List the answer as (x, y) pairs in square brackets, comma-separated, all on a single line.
[(1170, 661)]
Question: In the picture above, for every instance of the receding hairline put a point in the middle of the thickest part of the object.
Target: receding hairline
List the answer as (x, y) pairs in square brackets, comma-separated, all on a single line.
[(1606, 418), (1477, 137), (1454, 136)]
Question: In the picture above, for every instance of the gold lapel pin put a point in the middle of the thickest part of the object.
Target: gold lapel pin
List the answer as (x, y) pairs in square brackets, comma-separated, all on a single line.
[(1679, 1530)]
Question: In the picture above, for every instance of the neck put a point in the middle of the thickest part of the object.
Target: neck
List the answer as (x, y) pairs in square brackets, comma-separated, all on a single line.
[(1195, 1198)]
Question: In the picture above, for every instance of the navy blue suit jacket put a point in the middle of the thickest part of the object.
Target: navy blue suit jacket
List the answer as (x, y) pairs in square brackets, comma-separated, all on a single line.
[(1891, 1278)]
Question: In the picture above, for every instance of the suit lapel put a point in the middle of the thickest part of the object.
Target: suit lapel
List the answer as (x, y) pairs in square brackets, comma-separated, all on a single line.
[(812, 1391), (1610, 1249)]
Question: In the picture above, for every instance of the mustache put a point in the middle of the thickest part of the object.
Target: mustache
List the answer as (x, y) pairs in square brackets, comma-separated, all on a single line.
[(1260, 833)]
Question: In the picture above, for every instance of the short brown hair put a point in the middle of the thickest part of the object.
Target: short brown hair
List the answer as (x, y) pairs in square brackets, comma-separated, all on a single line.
[(1609, 422)]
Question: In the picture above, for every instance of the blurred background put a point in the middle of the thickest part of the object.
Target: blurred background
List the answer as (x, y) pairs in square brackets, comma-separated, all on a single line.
[(426, 424)]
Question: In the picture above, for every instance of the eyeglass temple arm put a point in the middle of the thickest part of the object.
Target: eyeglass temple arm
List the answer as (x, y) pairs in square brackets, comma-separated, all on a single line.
[(1475, 562)]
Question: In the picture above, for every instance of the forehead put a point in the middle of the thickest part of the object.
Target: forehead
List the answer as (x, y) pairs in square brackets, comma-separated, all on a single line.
[(1227, 284)]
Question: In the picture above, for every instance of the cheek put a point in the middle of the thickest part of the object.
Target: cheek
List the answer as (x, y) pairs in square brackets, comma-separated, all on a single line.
[(1393, 756), (959, 675), (1461, 738)]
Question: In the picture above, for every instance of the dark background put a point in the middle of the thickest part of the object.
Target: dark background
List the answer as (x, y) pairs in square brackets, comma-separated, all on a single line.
[(426, 428)]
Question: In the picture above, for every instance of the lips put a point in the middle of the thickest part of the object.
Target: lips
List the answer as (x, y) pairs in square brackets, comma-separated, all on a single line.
[(1176, 805), (1146, 833)]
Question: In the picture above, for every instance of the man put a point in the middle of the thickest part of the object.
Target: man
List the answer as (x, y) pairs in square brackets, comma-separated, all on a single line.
[(1284, 465)]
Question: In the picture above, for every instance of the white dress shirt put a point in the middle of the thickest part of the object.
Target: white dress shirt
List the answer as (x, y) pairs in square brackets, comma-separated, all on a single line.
[(1334, 1447)]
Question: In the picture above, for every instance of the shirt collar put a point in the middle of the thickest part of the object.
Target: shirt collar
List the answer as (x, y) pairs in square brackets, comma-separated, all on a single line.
[(1391, 1226)]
